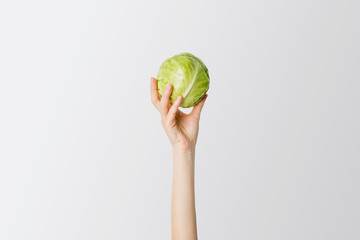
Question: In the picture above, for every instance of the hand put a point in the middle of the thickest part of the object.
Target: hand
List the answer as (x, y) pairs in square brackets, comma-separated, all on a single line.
[(181, 128)]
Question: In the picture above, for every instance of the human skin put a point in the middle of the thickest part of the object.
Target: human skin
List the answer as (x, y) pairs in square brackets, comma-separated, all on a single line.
[(182, 130)]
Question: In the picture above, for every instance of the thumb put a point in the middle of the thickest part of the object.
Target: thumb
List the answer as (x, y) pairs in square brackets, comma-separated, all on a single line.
[(196, 111)]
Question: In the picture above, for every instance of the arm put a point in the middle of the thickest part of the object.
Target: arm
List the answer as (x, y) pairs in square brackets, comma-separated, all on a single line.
[(183, 216), (182, 130)]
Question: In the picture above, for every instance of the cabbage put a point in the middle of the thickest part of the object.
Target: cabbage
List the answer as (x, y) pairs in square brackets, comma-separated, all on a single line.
[(189, 77)]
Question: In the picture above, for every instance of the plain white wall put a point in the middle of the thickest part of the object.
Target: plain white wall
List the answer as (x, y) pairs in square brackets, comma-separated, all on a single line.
[(82, 151)]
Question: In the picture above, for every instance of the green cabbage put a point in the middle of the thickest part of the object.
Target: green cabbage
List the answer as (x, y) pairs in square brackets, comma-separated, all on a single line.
[(189, 77)]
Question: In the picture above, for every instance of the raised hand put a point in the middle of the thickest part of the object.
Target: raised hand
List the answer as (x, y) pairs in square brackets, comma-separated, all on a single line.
[(181, 128)]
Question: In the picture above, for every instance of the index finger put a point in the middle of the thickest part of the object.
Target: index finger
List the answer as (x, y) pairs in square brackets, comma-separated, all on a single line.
[(154, 93)]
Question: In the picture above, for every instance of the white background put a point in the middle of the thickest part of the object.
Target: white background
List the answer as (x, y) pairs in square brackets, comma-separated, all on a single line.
[(82, 151)]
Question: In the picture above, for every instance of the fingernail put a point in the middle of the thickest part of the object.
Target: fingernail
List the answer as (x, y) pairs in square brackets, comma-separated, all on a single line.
[(168, 86)]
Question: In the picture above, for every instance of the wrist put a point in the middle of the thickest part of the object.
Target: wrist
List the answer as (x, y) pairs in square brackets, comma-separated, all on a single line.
[(183, 150), (184, 146), (183, 154)]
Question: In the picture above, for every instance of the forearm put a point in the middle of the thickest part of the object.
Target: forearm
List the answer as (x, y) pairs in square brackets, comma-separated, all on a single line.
[(183, 216)]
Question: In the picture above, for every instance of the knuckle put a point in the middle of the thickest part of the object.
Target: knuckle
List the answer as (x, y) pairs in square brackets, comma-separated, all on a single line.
[(153, 100)]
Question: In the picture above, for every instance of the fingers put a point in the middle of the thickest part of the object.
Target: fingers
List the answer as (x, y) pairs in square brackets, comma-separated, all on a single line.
[(164, 102), (154, 93), (198, 107), (173, 109)]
